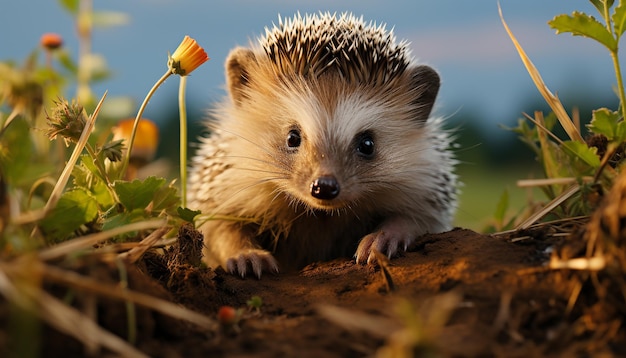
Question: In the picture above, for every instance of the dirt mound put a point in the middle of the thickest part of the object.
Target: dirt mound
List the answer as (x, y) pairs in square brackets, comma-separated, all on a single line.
[(453, 294)]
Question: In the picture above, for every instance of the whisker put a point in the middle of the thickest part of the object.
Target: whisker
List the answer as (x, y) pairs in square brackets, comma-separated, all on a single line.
[(262, 148), (268, 162), (234, 196)]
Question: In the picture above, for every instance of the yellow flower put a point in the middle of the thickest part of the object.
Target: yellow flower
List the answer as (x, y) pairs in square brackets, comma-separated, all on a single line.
[(187, 57)]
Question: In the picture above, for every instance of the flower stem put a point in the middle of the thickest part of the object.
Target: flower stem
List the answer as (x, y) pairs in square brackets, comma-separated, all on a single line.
[(139, 114), (182, 108), (84, 26), (615, 58)]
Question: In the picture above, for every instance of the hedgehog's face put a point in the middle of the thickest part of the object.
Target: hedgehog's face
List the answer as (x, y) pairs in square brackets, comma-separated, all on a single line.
[(342, 148), (330, 176), (326, 160), (336, 142)]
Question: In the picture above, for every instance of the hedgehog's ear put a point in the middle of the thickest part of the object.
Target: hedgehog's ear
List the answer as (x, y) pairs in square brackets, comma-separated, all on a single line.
[(237, 67), (425, 84)]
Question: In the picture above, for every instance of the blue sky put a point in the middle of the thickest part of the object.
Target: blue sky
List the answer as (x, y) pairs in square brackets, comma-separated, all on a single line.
[(463, 40)]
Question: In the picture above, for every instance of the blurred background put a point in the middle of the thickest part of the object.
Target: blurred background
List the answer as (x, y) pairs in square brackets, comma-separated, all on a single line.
[(484, 84)]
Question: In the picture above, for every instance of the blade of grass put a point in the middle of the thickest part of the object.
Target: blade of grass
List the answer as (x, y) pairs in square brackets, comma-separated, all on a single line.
[(547, 151), (549, 207), (539, 123), (552, 100)]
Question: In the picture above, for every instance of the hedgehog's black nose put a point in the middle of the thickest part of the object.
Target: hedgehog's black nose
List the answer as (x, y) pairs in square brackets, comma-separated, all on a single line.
[(325, 187)]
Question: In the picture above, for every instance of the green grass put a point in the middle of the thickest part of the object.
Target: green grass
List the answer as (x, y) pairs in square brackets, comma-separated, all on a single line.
[(481, 191)]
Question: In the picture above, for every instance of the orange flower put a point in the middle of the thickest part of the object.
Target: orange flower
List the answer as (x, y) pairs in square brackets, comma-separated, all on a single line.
[(147, 139), (187, 57), (51, 41)]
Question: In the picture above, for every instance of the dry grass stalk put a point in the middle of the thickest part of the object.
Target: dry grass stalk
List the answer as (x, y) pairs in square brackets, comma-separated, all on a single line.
[(561, 227), (566, 194), (63, 317), (356, 321), (420, 329), (384, 263), (134, 254), (83, 283), (530, 183), (539, 122), (552, 100), (84, 242)]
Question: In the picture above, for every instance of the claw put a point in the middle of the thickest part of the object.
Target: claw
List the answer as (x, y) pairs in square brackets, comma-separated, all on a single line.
[(253, 261), (386, 242)]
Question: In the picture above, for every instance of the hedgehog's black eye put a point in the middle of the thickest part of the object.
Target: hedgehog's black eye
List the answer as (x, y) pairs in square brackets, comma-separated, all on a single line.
[(365, 145), (294, 139)]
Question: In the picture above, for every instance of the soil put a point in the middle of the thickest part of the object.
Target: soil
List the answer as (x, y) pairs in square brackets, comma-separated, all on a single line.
[(458, 293)]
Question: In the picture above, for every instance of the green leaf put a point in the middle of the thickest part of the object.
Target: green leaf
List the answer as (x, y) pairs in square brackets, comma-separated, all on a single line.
[(87, 177), (67, 62), (70, 5), (548, 155), (619, 19), (88, 163), (137, 194), (75, 208), (82, 176), (581, 24), (501, 208), (15, 151), (165, 198), (599, 5), (188, 214), (122, 219), (604, 121), (620, 132), (583, 152)]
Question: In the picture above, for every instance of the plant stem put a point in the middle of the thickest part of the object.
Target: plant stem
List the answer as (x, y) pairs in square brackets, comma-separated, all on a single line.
[(139, 114), (102, 171), (84, 27), (131, 313), (620, 82), (182, 108), (615, 58)]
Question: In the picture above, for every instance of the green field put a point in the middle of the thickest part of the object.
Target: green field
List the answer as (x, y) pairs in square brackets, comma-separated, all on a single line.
[(481, 191)]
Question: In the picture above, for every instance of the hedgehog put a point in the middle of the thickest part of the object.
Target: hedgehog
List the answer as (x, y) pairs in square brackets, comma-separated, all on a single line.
[(323, 148)]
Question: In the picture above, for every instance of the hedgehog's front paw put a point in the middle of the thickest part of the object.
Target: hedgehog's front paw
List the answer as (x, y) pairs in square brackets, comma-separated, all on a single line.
[(386, 242), (251, 261)]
